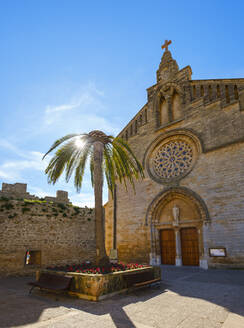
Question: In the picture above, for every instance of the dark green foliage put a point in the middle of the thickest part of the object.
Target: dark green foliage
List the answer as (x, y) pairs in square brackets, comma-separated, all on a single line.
[(12, 216), (62, 206), (7, 206), (4, 198), (76, 209), (25, 209)]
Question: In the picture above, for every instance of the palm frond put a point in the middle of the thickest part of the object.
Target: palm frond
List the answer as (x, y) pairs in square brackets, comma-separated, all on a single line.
[(119, 161), (80, 168), (77, 154), (61, 140), (127, 147), (59, 161), (109, 168)]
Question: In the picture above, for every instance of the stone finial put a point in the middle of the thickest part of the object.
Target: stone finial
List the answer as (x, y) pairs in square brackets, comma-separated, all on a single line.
[(168, 67)]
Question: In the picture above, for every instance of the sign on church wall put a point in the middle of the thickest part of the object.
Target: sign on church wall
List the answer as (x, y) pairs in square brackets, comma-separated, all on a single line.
[(217, 252)]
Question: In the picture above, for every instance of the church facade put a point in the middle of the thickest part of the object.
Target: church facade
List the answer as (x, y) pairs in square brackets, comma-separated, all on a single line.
[(189, 209)]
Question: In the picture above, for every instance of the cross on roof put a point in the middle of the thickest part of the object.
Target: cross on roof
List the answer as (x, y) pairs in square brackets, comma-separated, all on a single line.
[(166, 43)]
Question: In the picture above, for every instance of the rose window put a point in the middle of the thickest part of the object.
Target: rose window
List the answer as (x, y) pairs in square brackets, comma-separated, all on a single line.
[(172, 159)]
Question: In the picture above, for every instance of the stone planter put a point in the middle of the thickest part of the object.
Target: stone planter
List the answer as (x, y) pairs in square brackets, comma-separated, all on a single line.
[(96, 287)]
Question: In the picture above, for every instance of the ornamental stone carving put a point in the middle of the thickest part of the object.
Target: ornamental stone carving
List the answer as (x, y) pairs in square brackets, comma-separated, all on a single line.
[(172, 158)]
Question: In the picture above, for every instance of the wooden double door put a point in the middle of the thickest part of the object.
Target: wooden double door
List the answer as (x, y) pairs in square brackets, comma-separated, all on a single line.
[(189, 246), (168, 249)]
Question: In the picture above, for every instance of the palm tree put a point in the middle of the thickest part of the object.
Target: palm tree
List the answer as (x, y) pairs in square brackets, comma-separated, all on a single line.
[(107, 155)]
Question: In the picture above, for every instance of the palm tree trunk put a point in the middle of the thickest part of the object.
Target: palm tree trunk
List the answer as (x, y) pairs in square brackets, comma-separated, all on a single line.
[(101, 256)]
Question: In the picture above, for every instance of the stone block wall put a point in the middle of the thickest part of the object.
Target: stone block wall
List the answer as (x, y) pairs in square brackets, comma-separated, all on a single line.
[(61, 233), (217, 178)]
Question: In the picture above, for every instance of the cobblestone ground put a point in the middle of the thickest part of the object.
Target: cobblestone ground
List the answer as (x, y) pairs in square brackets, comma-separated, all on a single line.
[(187, 298)]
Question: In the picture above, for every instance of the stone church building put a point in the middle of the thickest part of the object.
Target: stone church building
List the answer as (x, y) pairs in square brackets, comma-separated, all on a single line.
[(189, 209)]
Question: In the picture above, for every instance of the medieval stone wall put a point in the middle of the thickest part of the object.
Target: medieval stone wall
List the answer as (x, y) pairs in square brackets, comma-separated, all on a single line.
[(19, 191), (59, 233)]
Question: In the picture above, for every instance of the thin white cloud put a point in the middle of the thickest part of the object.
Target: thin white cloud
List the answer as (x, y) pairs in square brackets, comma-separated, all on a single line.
[(4, 143), (11, 169), (85, 111), (85, 96), (6, 175), (85, 99)]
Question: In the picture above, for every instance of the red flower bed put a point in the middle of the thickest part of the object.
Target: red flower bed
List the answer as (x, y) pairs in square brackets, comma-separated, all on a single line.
[(87, 267)]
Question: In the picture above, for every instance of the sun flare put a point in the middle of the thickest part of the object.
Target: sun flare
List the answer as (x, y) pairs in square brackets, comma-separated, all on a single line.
[(79, 143)]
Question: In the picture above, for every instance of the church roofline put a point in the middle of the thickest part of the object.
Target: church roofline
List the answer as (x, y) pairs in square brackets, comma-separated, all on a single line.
[(237, 80), (219, 80), (133, 118)]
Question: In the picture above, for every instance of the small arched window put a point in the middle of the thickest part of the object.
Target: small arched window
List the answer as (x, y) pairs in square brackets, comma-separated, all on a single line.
[(202, 91), (218, 91), (235, 92), (176, 106), (145, 115), (164, 115), (227, 96), (210, 92), (140, 119)]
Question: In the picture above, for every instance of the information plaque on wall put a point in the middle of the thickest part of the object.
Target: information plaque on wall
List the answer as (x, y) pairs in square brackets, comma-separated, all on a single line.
[(219, 251)]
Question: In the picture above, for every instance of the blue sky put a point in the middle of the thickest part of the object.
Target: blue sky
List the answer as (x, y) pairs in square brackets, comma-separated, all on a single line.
[(74, 66)]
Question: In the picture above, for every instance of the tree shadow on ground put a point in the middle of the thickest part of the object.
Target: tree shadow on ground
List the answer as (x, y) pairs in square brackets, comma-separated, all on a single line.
[(224, 288), (17, 308)]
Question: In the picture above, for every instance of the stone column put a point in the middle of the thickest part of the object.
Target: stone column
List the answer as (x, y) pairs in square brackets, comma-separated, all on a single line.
[(152, 255), (157, 247), (178, 258), (203, 261)]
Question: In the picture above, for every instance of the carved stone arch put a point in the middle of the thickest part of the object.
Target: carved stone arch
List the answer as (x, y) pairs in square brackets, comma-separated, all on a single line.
[(171, 87), (192, 213), (164, 196), (165, 91)]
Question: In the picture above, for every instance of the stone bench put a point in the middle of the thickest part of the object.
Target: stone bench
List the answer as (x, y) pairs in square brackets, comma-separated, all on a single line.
[(140, 279), (51, 282)]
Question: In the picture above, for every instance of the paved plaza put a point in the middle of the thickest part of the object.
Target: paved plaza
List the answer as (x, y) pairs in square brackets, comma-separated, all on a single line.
[(187, 298)]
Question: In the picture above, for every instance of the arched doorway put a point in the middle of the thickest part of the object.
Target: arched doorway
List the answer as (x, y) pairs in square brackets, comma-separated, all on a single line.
[(177, 218)]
